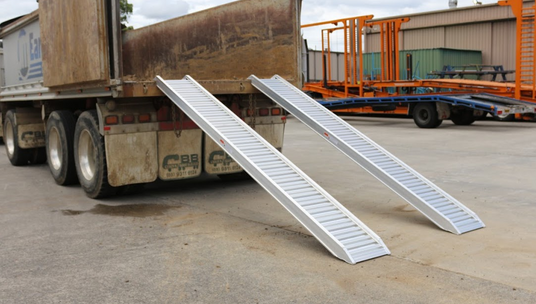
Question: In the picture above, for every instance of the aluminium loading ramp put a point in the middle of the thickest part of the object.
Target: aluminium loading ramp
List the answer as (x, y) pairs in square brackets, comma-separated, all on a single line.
[(496, 105), (332, 224), (434, 203)]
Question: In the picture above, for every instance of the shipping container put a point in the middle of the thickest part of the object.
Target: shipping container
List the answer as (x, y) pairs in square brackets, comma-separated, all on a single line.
[(424, 62)]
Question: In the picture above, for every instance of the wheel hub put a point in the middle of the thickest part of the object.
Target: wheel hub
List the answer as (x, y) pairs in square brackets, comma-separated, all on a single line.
[(9, 139), (86, 155), (55, 149), (423, 115)]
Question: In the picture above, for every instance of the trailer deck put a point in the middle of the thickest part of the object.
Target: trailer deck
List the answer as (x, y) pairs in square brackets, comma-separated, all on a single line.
[(496, 105)]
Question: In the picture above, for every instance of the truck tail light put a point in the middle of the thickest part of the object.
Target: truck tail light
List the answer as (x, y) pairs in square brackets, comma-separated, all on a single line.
[(144, 117), (264, 112), (127, 119), (111, 120), (251, 112), (276, 111), (163, 114)]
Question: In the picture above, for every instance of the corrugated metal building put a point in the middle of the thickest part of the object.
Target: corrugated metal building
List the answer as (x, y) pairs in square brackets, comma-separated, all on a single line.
[(487, 28)]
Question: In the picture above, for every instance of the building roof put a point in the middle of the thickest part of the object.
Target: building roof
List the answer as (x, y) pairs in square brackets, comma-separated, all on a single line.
[(460, 15)]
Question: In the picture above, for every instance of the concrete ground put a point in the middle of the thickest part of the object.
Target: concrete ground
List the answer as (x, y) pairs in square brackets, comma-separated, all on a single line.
[(210, 241)]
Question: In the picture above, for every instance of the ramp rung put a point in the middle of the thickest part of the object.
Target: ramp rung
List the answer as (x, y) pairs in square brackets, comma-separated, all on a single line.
[(338, 224), (313, 202), (291, 186), (314, 208), (355, 240), (318, 208), (347, 235), (426, 197), (331, 217)]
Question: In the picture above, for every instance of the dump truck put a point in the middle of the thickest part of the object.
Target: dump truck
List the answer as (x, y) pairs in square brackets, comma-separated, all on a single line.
[(80, 93), (1, 67)]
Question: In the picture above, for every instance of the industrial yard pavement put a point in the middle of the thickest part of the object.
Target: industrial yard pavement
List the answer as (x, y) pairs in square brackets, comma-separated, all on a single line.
[(212, 241)]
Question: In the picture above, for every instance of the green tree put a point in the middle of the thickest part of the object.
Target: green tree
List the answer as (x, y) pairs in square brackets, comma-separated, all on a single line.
[(126, 10)]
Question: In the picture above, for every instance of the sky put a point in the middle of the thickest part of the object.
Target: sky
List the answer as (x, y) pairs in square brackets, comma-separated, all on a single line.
[(147, 12)]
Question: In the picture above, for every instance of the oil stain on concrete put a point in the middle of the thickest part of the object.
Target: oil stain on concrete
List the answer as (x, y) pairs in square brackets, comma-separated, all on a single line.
[(139, 211)]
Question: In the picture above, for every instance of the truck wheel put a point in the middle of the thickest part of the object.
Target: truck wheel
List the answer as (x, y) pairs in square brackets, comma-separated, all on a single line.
[(463, 117), (510, 117), (37, 156), (90, 157), (425, 116), (483, 116), (16, 155), (59, 144)]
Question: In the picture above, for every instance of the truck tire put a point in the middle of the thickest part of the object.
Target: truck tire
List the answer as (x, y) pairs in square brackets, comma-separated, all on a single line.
[(60, 146), (425, 116), (37, 156), (16, 155), (483, 116), (90, 157), (510, 117), (463, 117)]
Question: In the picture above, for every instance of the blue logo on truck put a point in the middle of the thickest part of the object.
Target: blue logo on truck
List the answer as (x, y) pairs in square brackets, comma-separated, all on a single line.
[(29, 56)]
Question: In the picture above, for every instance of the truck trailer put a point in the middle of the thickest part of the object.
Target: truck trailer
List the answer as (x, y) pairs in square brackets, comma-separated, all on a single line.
[(1, 67), (80, 92)]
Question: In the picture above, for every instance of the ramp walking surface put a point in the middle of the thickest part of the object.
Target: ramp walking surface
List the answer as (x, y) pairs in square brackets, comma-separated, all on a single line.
[(332, 224), (441, 208)]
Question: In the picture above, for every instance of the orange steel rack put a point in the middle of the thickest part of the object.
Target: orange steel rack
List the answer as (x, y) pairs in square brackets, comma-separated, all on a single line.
[(388, 82), (525, 49)]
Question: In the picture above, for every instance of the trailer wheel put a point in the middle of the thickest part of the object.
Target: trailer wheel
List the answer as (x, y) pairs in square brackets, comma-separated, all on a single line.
[(16, 155), (510, 117), (90, 157), (425, 116), (483, 116), (59, 145), (37, 156), (463, 117)]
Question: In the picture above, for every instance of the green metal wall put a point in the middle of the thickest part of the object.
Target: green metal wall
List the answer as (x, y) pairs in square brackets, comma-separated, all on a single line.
[(425, 61)]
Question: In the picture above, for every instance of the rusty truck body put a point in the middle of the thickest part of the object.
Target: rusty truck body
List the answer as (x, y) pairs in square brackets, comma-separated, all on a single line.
[(79, 92)]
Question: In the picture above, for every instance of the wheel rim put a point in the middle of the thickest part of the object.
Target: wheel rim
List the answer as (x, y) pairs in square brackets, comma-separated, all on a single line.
[(55, 149), (423, 115), (86, 155), (9, 138)]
